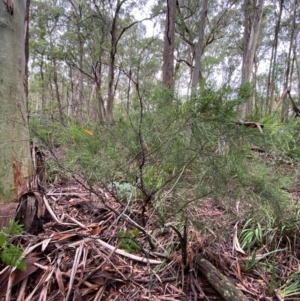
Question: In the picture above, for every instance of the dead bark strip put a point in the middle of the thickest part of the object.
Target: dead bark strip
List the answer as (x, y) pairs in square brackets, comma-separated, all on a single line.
[(218, 281), (31, 212), (251, 124)]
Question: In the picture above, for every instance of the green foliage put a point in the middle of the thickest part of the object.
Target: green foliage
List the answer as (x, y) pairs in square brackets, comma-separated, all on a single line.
[(283, 138), (256, 259), (128, 238), (193, 146), (124, 191), (10, 254), (291, 287), (251, 234), (13, 229)]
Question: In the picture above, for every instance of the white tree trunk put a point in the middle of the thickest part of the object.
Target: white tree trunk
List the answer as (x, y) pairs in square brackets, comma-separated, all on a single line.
[(197, 70), (15, 158), (251, 34)]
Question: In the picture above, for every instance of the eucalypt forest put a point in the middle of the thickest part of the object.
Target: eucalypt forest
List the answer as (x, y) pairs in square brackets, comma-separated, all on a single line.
[(166, 150)]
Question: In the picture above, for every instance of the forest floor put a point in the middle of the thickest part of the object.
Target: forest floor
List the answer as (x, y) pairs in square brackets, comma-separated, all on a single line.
[(90, 252)]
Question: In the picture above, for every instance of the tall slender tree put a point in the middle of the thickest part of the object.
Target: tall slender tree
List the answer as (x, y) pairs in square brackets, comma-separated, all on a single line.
[(289, 59), (253, 10), (197, 75), (169, 41), (273, 61)]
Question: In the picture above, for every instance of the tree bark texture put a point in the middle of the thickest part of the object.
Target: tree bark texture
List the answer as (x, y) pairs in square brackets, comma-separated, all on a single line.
[(273, 62), (112, 59), (219, 282), (15, 158), (55, 79), (289, 62), (197, 69), (252, 21), (169, 40)]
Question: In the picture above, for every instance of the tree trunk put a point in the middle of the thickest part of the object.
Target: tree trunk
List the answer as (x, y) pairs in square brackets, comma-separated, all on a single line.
[(77, 91), (169, 40), (55, 79), (298, 70), (197, 75), (43, 96), (288, 71), (15, 158), (273, 60), (251, 33), (111, 70)]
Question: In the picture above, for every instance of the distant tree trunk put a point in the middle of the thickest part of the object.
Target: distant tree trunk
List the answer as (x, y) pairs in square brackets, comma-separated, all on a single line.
[(111, 76), (70, 99), (43, 96), (76, 91), (112, 58), (15, 158), (197, 75), (288, 71), (298, 70), (252, 20), (80, 80), (55, 79), (273, 61), (169, 40), (99, 108)]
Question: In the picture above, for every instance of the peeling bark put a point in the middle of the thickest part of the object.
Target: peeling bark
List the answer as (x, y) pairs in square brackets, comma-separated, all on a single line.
[(19, 179)]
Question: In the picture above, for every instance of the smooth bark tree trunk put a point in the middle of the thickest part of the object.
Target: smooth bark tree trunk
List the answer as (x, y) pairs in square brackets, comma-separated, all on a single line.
[(252, 19), (288, 70), (77, 91), (58, 98), (297, 70), (43, 92), (70, 99), (197, 75), (169, 40), (15, 158), (273, 61), (112, 67)]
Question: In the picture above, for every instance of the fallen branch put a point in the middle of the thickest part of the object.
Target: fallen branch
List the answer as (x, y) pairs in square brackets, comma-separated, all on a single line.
[(251, 124), (117, 251), (282, 98), (218, 281)]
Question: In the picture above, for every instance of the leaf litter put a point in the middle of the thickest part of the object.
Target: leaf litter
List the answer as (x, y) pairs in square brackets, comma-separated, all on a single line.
[(90, 250)]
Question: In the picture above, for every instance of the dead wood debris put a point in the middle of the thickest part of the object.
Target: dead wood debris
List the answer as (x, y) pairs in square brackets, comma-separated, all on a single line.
[(252, 124), (80, 256)]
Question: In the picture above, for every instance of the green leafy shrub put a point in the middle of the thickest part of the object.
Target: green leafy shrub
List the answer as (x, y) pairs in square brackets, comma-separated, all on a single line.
[(192, 148), (124, 191), (10, 254), (128, 238)]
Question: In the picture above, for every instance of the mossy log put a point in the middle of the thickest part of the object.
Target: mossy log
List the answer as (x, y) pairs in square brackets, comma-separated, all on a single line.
[(218, 281)]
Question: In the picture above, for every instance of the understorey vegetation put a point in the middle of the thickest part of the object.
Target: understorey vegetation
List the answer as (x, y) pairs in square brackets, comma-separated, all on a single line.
[(168, 161)]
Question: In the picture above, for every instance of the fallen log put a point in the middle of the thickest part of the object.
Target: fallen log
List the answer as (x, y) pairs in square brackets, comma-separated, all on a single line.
[(218, 281)]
